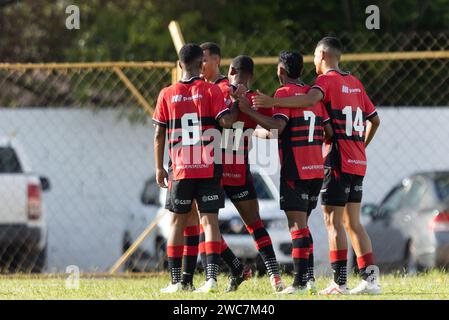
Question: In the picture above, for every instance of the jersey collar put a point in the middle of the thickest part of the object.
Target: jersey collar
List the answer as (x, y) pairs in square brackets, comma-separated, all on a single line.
[(343, 73), (220, 79), (299, 84), (190, 80)]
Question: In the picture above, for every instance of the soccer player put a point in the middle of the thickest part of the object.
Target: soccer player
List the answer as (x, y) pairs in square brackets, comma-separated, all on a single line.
[(189, 113), (301, 137), (237, 179), (211, 73), (354, 121)]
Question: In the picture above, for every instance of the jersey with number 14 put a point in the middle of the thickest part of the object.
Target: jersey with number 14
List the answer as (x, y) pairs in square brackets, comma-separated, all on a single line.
[(349, 107), (187, 110), (301, 142)]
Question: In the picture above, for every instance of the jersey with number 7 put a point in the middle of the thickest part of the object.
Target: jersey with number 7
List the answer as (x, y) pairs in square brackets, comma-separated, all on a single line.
[(301, 142), (349, 107)]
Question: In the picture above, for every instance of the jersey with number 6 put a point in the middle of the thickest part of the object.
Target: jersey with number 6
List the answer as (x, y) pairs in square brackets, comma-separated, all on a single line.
[(301, 142), (187, 110), (349, 107)]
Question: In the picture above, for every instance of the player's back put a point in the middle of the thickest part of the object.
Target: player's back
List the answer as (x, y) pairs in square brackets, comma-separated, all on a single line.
[(193, 96), (300, 144), (349, 107), (188, 109)]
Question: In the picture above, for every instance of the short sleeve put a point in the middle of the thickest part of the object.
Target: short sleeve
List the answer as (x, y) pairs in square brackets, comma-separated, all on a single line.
[(321, 84), (279, 112), (370, 109), (218, 107), (160, 115), (226, 90)]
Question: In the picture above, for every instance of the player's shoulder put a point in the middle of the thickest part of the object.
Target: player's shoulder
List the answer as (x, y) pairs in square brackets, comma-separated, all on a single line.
[(292, 89), (222, 81)]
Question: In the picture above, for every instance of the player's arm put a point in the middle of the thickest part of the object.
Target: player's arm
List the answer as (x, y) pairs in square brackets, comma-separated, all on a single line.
[(268, 123), (306, 100), (159, 149), (372, 125), (234, 114), (328, 132), (227, 119)]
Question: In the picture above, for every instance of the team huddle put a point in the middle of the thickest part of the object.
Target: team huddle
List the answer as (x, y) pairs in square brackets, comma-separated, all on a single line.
[(208, 120)]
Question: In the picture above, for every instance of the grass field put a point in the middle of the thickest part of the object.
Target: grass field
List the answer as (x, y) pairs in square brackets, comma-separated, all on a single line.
[(434, 285)]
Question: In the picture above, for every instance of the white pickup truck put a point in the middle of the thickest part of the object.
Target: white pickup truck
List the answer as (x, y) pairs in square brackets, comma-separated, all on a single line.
[(23, 230)]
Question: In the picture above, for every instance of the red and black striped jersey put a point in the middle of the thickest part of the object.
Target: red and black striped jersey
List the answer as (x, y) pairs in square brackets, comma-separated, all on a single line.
[(301, 142), (225, 87), (349, 107), (188, 109), (236, 150)]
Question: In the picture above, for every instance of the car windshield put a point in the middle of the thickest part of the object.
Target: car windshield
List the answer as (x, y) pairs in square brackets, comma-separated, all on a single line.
[(8, 161), (262, 190), (442, 187)]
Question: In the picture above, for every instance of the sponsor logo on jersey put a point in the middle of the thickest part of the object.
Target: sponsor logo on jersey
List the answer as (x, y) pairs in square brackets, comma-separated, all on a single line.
[(346, 89), (180, 97)]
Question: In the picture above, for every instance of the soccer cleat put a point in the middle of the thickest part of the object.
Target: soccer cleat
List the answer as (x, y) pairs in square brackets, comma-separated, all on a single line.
[(235, 282), (335, 289), (366, 287), (294, 290), (276, 283), (210, 286), (172, 288), (311, 287)]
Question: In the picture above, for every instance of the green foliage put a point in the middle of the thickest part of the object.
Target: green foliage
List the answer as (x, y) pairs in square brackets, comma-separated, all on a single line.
[(34, 30)]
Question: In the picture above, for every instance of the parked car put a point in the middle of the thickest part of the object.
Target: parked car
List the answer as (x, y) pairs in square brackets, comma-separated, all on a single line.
[(410, 228), (151, 253), (23, 230)]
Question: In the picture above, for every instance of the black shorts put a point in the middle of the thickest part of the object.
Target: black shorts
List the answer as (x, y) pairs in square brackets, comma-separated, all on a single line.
[(243, 192), (208, 194), (299, 195), (341, 188)]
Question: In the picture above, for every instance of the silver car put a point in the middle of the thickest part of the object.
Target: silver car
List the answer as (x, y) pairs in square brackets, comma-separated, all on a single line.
[(410, 228)]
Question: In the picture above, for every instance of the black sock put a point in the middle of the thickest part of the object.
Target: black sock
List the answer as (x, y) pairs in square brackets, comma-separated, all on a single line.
[(300, 255), (174, 254), (190, 256), (230, 259), (264, 246), (213, 257), (339, 261)]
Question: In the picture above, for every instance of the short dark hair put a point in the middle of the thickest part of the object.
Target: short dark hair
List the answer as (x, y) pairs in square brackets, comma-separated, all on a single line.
[(243, 63), (212, 47), (331, 43), (292, 62), (190, 53)]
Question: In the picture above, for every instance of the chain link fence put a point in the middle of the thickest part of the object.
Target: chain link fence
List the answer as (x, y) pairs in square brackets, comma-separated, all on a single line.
[(76, 156)]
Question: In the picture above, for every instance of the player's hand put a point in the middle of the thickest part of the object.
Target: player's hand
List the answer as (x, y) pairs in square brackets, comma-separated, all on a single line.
[(261, 100), (162, 178), (239, 93), (244, 104)]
